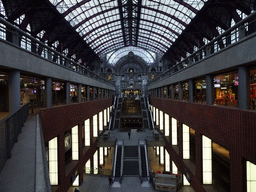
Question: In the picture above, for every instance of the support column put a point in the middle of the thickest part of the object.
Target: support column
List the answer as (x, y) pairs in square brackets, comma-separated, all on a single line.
[(79, 93), (67, 85), (243, 87), (48, 84), (93, 93), (99, 91), (167, 92), (14, 91), (209, 89), (191, 90), (172, 92), (180, 91), (88, 92)]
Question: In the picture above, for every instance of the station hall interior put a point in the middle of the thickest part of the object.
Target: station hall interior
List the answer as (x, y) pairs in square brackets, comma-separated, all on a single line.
[(128, 95)]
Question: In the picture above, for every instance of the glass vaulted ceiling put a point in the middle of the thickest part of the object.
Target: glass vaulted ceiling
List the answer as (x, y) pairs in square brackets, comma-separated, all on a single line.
[(102, 24)]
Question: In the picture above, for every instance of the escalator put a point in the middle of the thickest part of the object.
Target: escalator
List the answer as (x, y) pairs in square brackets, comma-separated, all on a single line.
[(144, 113), (112, 116), (143, 159), (118, 113), (118, 161), (150, 114)]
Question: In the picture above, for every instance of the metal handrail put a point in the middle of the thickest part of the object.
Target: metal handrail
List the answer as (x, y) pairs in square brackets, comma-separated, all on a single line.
[(11, 127), (146, 156), (83, 69), (122, 162), (180, 66), (114, 162), (140, 170)]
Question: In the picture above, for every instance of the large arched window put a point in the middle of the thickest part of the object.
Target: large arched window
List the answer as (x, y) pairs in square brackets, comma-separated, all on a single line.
[(148, 56)]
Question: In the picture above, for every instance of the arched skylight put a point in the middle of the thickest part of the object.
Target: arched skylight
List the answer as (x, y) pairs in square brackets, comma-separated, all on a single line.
[(147, 56), (108, 25)]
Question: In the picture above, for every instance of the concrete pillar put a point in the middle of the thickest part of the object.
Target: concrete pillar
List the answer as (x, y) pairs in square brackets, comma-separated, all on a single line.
[(167, 92), (88, 93), (243, 87), (48, 84), (241, 32), (172, 92), (16, 38), (79, 93), (67, 85), (191, 90), (14, 91), (49, 55), (209, 89), (93, 92), (180, 91)]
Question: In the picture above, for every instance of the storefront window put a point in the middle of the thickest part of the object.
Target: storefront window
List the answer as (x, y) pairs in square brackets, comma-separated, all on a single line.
[(185, 91), (4, 104), (226, 89), (59, 93), (73, 93), (252, 103), (200, 91), (32, 91)]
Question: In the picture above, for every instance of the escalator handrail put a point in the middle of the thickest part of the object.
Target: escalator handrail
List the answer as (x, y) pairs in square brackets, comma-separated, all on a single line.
[(115, 108), (140, 169), (114, 162), (122, 162), (146, 158), (151, 116)]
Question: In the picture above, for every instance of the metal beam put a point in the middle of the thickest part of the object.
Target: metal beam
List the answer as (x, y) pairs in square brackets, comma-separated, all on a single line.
[(138, 21), (121, 19)]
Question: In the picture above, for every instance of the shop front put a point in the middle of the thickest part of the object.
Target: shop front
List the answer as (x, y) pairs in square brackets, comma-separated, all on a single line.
[(226, 89), (200, 91)]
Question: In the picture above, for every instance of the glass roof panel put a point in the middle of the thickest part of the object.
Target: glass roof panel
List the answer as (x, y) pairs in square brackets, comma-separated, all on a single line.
[(147, 56), (2, 10), (99, 22)]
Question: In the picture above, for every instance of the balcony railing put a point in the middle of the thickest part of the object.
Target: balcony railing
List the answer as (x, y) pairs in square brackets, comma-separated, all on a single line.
[(231, 36), (10, 127), (14, 35)]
